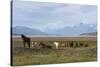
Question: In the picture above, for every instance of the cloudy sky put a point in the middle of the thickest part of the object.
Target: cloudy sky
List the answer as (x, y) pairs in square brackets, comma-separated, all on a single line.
[(44, 16)]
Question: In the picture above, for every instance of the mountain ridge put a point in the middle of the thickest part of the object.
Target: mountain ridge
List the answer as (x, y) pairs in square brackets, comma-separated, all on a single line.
[(74, 30), (18, 30)]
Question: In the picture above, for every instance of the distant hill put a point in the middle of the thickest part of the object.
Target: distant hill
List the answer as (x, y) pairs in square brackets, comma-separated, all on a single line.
[(79, 29), (18, 30), (75, 30), (93, 33)]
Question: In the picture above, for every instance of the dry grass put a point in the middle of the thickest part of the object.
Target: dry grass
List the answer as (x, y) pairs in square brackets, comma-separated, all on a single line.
[(35, 56)]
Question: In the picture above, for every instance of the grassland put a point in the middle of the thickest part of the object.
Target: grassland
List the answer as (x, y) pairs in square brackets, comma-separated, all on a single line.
[(35, 56)]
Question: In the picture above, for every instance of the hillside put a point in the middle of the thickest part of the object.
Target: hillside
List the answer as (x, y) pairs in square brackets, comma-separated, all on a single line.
[(26, 31), (93, 33), (75, 30)]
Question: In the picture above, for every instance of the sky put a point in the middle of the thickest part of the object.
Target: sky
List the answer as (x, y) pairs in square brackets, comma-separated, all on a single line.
[(44, 16)]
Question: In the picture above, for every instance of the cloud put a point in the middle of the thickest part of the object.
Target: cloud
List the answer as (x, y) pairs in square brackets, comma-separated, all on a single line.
[(41, 15)]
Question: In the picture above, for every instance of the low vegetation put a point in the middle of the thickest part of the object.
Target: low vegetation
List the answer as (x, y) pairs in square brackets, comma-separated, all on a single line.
[(81, 51)]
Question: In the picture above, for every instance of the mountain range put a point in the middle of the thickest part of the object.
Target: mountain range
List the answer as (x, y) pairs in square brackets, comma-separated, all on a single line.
[(68, 30), (75, 30), (18, 30), (93, 33)]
